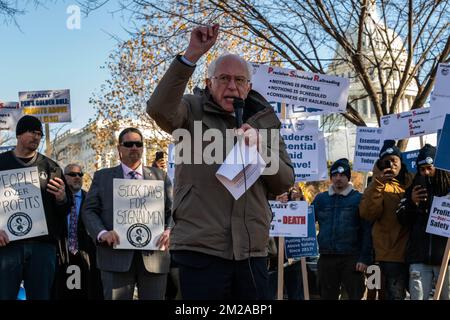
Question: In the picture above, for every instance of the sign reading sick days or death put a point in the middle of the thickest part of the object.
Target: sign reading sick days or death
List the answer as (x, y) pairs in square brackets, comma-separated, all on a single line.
[(138, 207), (439, 219), (47, 105), (21, 209), (304, 92), (306, 246), (301, 139), (407, 124), (367, 148), (10, 113), (290, 219)]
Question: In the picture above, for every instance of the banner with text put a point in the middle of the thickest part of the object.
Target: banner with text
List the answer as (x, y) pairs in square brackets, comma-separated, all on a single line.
[(409, 159), (306, 246), (21, 212), (303, 92), (322, 163), (367, 148), (301, 138), (407, 124), (138, 213), (10, 113), (290, 219), (47, 105), (439, 219), (440, 98)]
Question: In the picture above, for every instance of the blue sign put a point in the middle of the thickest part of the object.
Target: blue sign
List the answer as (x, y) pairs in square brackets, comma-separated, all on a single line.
[(307, 246), (442, 160), (409, 159)]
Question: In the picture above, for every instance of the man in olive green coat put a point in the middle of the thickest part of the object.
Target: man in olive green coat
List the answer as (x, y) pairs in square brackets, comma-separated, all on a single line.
[(219, 243)]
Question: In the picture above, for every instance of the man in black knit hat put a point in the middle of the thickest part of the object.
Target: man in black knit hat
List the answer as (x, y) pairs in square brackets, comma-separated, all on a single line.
[(33, 260), (424, 251), (378, 205), (344, 238)]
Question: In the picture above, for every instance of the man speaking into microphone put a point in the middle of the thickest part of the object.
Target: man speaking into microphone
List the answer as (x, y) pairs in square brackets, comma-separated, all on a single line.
[(219, 243)]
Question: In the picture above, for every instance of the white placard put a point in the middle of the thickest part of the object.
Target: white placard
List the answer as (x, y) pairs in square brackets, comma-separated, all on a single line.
[(171, 162), (303, 92), (290, 219), (367, 148), (439, 219), (407, 124), (21, 209), (440, 106), (322, 163), (47, 105), (301, 139), (10, 113), (442, 84), (138, 213)]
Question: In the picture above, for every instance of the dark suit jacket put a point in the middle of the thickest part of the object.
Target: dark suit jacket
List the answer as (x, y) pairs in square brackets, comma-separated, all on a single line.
[(97, 215)]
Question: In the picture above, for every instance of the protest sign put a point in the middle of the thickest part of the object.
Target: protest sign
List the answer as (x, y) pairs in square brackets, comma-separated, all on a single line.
[(138, 213), (409, 159), (171, 162), (439, 219), (10, 113), (442, 160), (303, 92), (290, 219), (322, 173), (301, 139), (305, 246), (367, 148), (47, 105), (407, 124), (21, 211), (442, 84), (440, 98)]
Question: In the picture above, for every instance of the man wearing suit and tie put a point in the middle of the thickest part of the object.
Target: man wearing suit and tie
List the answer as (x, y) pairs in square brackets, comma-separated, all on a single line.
[(122, 269), (79, 249)]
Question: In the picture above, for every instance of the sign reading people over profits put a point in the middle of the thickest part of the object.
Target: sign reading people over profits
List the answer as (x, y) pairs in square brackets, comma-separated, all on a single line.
[(21, 210), (303, 91), (138, 213), (49, 105), (439, 219)]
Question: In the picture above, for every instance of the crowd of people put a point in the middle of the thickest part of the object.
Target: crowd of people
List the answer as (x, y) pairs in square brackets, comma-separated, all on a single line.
[(214, 246)]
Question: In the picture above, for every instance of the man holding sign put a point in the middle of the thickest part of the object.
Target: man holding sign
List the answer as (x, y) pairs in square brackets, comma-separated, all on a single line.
[(120, 213), (424, 251), (33, 207)]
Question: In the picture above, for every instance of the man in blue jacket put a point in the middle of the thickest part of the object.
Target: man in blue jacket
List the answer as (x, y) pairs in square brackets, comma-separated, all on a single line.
[(344, 238)]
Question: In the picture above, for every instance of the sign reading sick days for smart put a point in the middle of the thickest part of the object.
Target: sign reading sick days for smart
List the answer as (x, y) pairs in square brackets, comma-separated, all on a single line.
[(304, 91), (301, 139), (21, 210), (138, 207), (439, 219), (407, 124), (48, 105), (290, 219)]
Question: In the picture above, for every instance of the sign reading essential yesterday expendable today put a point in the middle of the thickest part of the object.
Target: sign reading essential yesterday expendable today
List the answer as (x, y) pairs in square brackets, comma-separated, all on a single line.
[(138, 213), (301, 139), (10, 113), (367, 148), (50, 106), (303, 92), (439, 219), (290, 219), (21, 209)]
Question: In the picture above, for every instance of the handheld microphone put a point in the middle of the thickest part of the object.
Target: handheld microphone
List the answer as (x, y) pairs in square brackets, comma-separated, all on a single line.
[(238, 105)]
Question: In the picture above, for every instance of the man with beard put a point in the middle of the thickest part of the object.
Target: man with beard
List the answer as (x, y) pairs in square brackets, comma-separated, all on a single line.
[(121, 270), (33, 260)]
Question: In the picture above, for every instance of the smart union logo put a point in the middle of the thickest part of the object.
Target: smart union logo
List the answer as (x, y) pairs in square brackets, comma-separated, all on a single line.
[(444, 71)]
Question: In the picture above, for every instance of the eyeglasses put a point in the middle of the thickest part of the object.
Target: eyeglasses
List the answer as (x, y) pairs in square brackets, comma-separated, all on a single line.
[(75, 174), (225, 79), (130, 144)]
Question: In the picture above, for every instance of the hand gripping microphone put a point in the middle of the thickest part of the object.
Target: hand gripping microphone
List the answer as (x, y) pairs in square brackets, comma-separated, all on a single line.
[(238, 105)]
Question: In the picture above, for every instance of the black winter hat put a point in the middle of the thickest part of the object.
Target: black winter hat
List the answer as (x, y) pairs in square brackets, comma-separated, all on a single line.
[(390, 149), (426, 155), (341, 166), (28, 123)]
